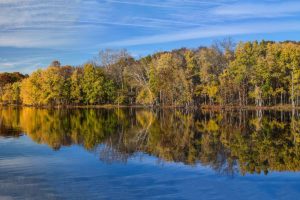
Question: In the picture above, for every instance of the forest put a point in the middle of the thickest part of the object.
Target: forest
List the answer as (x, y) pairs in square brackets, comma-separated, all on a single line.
[(264, 73)]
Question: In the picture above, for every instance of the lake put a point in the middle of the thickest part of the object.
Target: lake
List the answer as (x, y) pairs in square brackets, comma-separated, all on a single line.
[(148, 154)]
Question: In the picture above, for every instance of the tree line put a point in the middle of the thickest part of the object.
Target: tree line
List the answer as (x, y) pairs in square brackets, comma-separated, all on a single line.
[(262, 73)]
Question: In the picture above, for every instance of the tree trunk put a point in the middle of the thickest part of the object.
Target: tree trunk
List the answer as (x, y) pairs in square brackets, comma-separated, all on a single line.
[(292, 97), (240, 98)]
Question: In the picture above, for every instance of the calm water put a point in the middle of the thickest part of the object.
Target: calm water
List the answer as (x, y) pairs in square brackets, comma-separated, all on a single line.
[(148, 154)]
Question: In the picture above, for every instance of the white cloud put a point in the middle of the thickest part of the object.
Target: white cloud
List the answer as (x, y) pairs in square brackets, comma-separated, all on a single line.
[(38, 23), (26, 65), (33, 12), (87, 25), (255, 10), (211, 31), (167, 3)]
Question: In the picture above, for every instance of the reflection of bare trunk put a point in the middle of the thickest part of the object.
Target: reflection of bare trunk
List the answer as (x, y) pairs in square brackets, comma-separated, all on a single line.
[(240, 118), (293, 95), (240, 98), (259, 114), (160, 98), (293, 125), (109, 154), (246, 99)]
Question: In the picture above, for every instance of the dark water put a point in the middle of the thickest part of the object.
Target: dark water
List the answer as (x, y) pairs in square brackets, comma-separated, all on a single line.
[(148, 154)]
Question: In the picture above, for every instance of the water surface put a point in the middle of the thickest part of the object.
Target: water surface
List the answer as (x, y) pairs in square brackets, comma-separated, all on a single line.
[(148, 154)]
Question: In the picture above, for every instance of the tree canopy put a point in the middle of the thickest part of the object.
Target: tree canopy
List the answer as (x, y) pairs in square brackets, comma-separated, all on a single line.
[(262, 73)]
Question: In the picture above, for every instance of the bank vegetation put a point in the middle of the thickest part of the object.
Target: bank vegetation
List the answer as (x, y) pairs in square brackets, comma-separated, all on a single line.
[(255, 74)]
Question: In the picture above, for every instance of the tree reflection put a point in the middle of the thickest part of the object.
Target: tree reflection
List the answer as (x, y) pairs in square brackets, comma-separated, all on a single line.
[(244, 141), (9, 123)]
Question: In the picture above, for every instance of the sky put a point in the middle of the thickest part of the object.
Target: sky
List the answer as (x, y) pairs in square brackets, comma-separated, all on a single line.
[(35, 32)]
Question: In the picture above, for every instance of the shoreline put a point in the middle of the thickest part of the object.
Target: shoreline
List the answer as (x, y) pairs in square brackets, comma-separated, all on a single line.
[(201, 107), (249, 107)]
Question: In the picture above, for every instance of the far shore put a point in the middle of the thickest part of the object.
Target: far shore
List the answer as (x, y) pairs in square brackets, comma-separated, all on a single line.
[(202, 107), (249, 107)]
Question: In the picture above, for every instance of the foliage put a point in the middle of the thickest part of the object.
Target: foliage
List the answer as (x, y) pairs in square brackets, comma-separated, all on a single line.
[(262, 73)]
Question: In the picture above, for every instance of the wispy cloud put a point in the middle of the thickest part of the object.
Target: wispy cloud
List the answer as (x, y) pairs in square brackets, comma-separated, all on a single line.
[(33, 23), (259, 9), (25, 64), (212, 31), (34, 12), (166, 3), (82, 27), (64, 23)]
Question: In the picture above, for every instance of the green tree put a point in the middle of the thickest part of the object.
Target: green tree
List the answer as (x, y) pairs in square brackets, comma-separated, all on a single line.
[(76, 86), (93, 84)]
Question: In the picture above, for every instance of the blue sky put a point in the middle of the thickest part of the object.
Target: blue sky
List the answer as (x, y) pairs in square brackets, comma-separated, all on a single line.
[(35, 32)]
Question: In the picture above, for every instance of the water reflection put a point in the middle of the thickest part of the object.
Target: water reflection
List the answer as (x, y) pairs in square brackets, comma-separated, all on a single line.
[(228, 142)]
